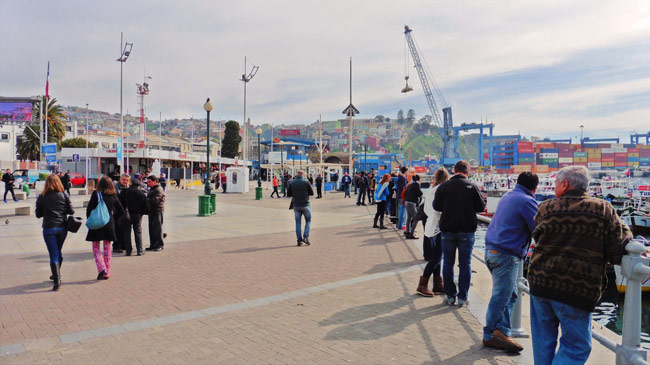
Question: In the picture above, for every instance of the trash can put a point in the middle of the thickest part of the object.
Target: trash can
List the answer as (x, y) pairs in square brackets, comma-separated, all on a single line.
[(213, 203), (258, 193), (204, 205)]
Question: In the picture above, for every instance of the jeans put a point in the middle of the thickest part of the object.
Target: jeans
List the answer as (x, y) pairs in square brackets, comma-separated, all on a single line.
[(504, 270), (433, 266), (136, 224), (155, 229), (464, 243), (575, 343), (401, 214), (298, 213), (411, 212), (361, 198), (346, 189), (54, 238)]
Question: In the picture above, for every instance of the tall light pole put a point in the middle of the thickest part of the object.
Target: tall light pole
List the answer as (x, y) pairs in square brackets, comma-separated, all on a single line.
[(208, 108), (160, 140), (246, 78), (125, 52), (350, 111), (87, 164), (258, 190), (293, 160)]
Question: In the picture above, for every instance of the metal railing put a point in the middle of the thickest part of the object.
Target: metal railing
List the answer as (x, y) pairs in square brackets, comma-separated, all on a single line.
[(635, 269)]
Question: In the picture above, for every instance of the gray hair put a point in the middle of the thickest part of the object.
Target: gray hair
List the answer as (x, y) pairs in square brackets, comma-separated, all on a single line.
[(125, 175), (300, 173), (577, 176)]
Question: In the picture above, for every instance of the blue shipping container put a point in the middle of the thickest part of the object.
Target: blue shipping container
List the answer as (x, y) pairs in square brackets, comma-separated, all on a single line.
[(629, 159)]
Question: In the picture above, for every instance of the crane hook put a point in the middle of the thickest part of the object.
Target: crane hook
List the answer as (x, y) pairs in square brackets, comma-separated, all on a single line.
[(406, 88)]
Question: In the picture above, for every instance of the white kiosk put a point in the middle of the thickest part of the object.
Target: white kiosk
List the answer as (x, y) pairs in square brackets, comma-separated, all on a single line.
[(237, 180)]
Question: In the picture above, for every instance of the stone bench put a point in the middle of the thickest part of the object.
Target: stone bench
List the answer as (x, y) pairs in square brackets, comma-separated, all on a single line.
[(86, 202), (20, 195), (24, 210)]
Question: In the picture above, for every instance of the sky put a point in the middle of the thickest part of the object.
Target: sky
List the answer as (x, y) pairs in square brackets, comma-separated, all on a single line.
[(539, 68)]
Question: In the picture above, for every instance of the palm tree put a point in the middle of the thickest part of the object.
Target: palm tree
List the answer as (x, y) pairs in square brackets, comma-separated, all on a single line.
[(28, 146)]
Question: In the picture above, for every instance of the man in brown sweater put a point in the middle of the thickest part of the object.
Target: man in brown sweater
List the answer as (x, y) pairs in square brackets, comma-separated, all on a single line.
[(576, 236)]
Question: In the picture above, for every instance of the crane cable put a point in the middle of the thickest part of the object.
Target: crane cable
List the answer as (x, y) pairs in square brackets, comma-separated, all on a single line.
[(406, 59)]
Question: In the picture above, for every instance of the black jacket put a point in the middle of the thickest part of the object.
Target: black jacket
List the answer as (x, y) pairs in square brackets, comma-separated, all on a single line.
[(319, 181), (65, 181), (106, 233), (8, 179), (362, 182), (459, 200), (135, 200), (413, 192), (54, 207), (300, 190), (156, 199)]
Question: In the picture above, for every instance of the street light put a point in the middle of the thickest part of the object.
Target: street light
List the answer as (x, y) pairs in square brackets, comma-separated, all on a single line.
[(246, 78), (293, 160), (281, 143), (300, 159), (258, 190), (208, 186), (125, 52)]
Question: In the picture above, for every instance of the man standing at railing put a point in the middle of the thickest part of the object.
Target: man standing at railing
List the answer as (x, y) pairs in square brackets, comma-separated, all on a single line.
[(576, 236), (506, 244)]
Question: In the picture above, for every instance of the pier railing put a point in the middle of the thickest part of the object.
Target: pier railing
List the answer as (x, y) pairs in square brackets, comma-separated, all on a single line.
[(635, 269)]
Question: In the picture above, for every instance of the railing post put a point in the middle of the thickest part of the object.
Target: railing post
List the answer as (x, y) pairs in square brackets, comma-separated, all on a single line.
[(515, 316), (634, 269)]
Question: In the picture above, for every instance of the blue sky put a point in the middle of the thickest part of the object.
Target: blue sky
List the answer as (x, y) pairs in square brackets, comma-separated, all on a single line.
[(540, 68)]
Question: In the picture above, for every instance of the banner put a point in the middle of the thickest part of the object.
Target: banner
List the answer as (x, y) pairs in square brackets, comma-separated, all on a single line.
[(289, 132)]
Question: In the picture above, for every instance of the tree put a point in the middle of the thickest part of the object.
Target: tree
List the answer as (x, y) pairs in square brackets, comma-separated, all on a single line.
[(76, 143), (28, 145), (410, 116), (231, 140), (400, 117), (380, 118)]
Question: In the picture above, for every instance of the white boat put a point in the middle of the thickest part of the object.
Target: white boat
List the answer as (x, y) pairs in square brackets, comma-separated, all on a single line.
[(620, 281)]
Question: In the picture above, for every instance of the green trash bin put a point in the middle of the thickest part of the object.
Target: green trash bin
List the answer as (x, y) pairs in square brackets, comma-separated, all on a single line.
[(204, 205), (213, 203)]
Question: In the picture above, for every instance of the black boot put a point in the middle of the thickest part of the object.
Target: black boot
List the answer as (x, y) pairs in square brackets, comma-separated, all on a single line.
[(375, 224), (60, 262), (56, 274)]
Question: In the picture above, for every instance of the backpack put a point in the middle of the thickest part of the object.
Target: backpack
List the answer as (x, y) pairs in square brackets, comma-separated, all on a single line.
[(100, 216)]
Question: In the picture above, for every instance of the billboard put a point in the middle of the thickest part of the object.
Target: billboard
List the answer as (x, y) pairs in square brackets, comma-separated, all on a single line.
[(289, 132), (15, 112)]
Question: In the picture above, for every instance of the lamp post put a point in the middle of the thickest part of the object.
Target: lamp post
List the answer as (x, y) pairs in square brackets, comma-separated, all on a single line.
[(258, 190), (87, 164), (293, 160), (246, 78), (125, 49), (281, 143), (300, 159), (208, 186)]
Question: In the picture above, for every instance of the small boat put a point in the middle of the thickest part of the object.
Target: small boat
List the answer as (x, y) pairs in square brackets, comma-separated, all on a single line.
[(620, 280)]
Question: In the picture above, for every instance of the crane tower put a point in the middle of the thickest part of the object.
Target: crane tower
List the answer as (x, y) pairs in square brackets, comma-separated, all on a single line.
[(142, 91)]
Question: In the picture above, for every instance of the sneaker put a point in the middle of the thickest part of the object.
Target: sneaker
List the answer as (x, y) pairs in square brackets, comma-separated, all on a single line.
[(462, 302), (306, 241), (450, 300), (299, 243), (503, 342)]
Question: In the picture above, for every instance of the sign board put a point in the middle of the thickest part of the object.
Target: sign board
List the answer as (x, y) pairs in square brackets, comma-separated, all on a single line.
[(119, 151), (276, 140), (75, 157), (49, 148), (289, 132), (50, 158)]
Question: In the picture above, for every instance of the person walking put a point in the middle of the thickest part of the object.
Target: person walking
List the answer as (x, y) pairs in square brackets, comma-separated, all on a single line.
[(299, 191), (224, 182), (411, 200), (362, 185), (381, 196), (372, 187), (319, 186), (346, 180), (163, 181), (156, 204), (276, 182), (8, 179), (506, 245), (400, 185), (54, 206), (65, 181), (106, 234), (120, 224), (458, 200), (432, 239), (576, 236), (134, 201)]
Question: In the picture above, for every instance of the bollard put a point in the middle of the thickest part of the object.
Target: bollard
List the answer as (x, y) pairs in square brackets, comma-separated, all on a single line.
[(635, 269), (515, 316)]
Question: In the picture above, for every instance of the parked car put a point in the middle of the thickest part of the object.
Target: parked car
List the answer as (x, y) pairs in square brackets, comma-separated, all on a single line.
[(29, 177), (77, 179)]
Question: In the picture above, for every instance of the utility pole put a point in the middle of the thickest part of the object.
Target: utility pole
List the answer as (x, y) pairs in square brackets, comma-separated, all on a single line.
[(350, 111), (87, 136), (246, 78)]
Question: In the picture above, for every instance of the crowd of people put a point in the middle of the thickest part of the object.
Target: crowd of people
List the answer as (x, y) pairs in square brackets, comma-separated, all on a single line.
[(126, 202)]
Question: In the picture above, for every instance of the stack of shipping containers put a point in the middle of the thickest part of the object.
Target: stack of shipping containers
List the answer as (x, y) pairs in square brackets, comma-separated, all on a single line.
[(644, 156)]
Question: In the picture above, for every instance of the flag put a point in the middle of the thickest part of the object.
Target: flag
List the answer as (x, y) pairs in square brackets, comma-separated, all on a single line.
[(47, 81)]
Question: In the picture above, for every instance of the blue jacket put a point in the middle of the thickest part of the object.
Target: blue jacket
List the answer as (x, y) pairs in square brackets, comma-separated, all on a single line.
[(382, 193), (346, 180), (512, 226)]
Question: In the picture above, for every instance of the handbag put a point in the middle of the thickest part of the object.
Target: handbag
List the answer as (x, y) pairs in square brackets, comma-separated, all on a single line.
[(100, 216), (73, 223)]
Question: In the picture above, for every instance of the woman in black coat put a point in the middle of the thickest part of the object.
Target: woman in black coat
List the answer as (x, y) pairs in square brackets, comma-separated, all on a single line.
[(106, 234)]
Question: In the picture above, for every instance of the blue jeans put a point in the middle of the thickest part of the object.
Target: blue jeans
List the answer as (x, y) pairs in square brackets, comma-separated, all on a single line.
[(346, 189), (299, 212), (401, 215), (575, 343), (464, 243), (504, 270), (54, 238)]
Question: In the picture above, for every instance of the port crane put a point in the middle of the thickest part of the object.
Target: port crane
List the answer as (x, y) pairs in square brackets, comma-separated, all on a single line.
[(634, 137), (449, 155), (480, 127), (565, 140), (589, 140)]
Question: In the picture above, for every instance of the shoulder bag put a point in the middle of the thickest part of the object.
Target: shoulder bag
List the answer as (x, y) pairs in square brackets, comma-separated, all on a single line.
[(100, 216)]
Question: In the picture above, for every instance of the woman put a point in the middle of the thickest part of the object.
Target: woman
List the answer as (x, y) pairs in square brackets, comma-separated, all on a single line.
[(381, 196), (53, 205), (411, 199), (106, 234), (432, 235), (276, 183)]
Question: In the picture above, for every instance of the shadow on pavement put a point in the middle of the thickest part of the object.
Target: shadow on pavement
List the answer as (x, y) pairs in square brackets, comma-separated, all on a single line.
[(388, 266), (67, 257), (41, 287), (257, 249)]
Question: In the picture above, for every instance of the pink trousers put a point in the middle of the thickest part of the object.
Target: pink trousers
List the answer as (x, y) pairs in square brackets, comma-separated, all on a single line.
[(103, 263)]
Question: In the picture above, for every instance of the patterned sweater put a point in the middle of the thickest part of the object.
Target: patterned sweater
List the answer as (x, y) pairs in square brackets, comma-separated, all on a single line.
[(576, 236)]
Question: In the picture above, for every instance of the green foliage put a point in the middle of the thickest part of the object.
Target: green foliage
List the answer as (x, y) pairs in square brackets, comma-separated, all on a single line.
[(42, 176), (400, 117), (421, 145), (76, 143), (29, 143), (231, 140), (410, 117)]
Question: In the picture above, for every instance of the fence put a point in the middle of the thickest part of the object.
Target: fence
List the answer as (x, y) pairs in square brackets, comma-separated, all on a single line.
[(634, 268)]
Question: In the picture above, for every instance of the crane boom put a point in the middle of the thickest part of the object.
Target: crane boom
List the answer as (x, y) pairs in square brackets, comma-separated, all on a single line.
[(449, 154)]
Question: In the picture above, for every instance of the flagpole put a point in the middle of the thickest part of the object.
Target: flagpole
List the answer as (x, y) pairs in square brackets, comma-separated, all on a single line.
[(47, 99)]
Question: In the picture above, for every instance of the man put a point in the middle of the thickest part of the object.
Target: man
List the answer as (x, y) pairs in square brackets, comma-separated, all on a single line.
[(8, 179), (576, 236), (399, 186), (362, 185), (285, 184), (506, 245), (276, 182), (224, 182), (135, 201), (163, 182), (156, 203), (300, 190), (65, 181), (458, 200), (355, 183), (372, 187), (319, 186), (311, 179), (346, 180), (122, 223)]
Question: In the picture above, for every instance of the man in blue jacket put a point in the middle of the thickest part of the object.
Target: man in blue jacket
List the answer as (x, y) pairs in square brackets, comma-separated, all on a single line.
[(346, 181), (300, 190), (506, 243)]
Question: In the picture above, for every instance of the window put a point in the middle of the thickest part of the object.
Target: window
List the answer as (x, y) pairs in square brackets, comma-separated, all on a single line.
[(234, 177), (4, 137)]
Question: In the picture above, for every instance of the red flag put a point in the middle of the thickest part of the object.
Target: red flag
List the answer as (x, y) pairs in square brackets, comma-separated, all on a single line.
[(47, 81)]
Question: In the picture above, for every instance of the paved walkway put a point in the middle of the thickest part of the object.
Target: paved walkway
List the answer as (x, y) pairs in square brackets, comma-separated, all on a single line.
[(233, 288)]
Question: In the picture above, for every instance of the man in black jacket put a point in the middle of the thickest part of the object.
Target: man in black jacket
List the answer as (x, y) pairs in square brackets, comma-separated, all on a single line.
[(8, 179), (458, 200), (156, 202), (362, 185), (319, 186), (122, 223), (300, 190), (134, 201), (65, 181)]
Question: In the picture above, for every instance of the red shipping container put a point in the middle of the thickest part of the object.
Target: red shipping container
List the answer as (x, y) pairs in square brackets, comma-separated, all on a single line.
[(620, 159), (580, 164), (526, 150), (607, 159), (604, 145), (644, 152), (620, 164), (620, 154), (525, 143), (632, 150)]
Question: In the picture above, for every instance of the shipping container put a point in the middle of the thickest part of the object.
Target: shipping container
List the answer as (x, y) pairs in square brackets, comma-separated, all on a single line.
[(593, 159), (633, 164), (607, 159), (608, 150), (644, 159), (620, 154), (549, 150), (594, 165), (604, 145), (620, 150), (580, 159), (562, 160), (632, 150), (633, 159), (549, 155), (580, 154)]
